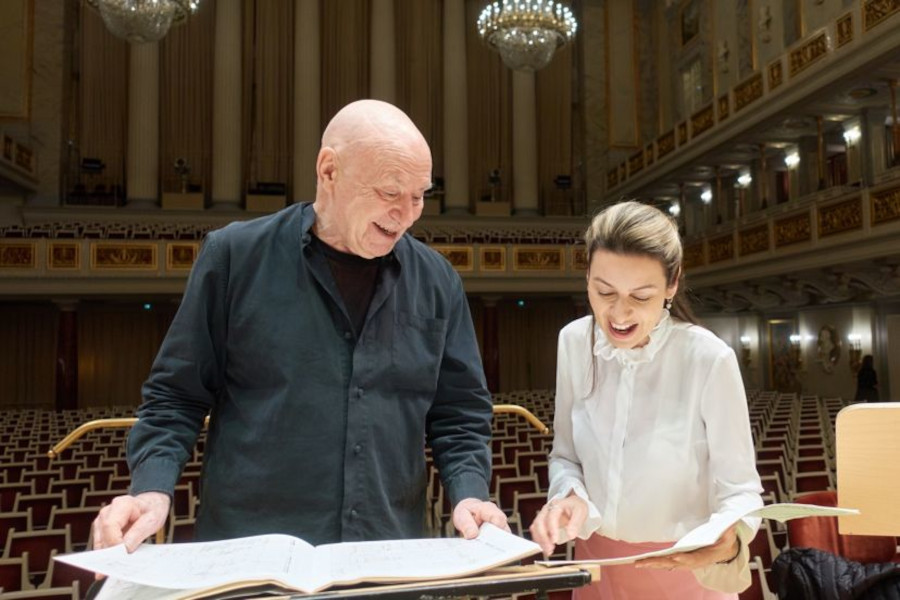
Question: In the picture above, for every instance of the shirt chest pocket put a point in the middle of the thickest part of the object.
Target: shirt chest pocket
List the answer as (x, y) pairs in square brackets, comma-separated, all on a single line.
[(417, 347)]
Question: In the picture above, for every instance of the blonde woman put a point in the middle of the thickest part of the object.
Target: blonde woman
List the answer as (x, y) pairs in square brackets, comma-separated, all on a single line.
[(652, 434)]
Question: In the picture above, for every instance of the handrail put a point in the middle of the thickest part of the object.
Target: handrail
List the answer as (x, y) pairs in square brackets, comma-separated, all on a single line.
[(84, 428)]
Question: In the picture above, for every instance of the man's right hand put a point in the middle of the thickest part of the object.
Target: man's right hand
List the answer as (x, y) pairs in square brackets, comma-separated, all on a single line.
[(130, 519)]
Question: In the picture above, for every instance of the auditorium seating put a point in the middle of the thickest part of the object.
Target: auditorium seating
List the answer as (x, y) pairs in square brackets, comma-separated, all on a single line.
[(56, 500)]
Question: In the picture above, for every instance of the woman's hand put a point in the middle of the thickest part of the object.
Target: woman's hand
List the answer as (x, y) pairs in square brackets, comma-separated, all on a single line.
[(569, 513), (725, 549)]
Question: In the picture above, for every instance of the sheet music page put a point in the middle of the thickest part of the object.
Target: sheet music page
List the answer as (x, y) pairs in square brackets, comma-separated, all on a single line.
[(708, 533), (200, 564), (116, 589), (430, 558)]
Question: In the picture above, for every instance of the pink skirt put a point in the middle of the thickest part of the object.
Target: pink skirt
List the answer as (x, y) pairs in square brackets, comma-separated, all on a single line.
[(625, 582)]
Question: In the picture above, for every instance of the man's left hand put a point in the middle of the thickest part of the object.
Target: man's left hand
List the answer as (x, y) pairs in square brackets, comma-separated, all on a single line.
[(470, 513)]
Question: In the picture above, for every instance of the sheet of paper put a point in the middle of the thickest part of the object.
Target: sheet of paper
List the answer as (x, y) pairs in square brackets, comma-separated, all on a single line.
[(708, 533), (197, 565), (295, 563)]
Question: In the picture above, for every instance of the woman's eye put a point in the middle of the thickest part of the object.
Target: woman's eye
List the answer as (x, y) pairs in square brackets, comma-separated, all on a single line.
[(641, 299)]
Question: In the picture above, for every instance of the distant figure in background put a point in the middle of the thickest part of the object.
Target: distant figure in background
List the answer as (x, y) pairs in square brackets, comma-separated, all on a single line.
[(867, 381)]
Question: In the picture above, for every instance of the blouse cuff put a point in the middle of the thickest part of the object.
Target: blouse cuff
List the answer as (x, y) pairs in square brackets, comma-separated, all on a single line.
[(592, 522)]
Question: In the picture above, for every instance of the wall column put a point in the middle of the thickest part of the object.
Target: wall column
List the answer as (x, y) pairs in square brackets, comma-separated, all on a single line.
[(456, 111), (490, 337), (142, 160), (383, 48), (307, 104), (67, 356), (227, 170), (525, 162)]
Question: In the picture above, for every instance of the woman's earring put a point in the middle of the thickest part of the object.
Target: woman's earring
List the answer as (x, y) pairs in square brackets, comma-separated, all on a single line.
[(668, 304)]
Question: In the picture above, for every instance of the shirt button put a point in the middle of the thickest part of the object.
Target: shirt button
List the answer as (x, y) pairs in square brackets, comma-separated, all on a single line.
[(357, 449), (354, 513), (359, 392), (347, 335)]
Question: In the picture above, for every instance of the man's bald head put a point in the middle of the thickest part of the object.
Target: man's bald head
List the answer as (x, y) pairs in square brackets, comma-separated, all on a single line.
[(373, 125)]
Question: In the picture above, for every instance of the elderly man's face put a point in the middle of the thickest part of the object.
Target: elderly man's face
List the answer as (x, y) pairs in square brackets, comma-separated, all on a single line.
[(378, 197)]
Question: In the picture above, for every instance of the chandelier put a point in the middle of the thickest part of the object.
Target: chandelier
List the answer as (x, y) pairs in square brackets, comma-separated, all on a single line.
[(143, 21), (526, 33)]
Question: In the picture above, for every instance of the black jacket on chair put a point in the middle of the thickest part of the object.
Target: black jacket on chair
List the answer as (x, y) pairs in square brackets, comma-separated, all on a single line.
[(811, 574)]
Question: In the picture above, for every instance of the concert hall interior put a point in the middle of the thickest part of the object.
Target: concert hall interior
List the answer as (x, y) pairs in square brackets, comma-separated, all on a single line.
[(767, 129)]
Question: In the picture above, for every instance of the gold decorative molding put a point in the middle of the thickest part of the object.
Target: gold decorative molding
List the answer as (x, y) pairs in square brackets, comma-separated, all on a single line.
[(682, 133), (64, 256), (748, 91), (775, 71), (538, 259), (462, 258), (636, 162), (724, 107), (807, 53), (665, 144), (721, 248), (753, 240), (579, 259), (112, 256), (612, 177), (17, 255), (885, 205), (648, 154), (844, 30), (840, 217), (492, 258), (693, 255), (793, 230), (702, 120), (876, 12), (180, 256), (623, 173)]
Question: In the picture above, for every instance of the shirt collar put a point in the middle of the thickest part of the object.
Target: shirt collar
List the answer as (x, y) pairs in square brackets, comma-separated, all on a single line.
[(308, 219), (605, 350)]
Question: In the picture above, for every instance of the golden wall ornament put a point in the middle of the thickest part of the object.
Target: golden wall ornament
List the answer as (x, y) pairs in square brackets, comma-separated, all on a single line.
[(721, 248), (112, 256), (775, 71), (64, 256), (665, 144), (579, 259), (808, 53), (754, 240), (793, 230), (538, 259), (693, 255), (702, 120), (682, 133), (636, 162), (17, 255), (492, 258), (840, 217), (460, 257), (876, 12), (180, 256), (724, 106), (885, 205), (748, 91), (844, 29), (612, 177)]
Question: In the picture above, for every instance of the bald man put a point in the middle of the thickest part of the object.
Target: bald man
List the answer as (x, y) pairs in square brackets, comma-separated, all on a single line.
[(328, 347)]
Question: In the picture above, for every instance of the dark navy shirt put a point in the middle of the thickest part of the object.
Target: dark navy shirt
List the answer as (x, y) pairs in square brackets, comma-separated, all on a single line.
[(314, 431)]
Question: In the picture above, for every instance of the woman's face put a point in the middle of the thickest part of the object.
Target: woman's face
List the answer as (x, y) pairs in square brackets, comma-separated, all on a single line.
[(627, 293)]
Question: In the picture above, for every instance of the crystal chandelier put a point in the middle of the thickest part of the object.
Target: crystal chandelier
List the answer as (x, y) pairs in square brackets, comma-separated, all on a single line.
[(526, 33), (143, 21)]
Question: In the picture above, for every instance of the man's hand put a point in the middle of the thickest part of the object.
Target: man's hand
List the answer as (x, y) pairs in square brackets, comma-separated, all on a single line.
[(130, 519), (569, 513), (470, 513), (725, 549)]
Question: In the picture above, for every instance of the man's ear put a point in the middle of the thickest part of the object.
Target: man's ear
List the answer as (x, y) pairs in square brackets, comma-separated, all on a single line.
[(326, 167)]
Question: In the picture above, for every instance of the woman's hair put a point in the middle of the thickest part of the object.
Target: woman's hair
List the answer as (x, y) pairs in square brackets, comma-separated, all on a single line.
[(636, 229), (868, 362)]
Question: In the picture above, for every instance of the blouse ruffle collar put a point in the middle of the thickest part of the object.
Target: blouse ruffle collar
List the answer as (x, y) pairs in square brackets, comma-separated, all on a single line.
[(605, 350)]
